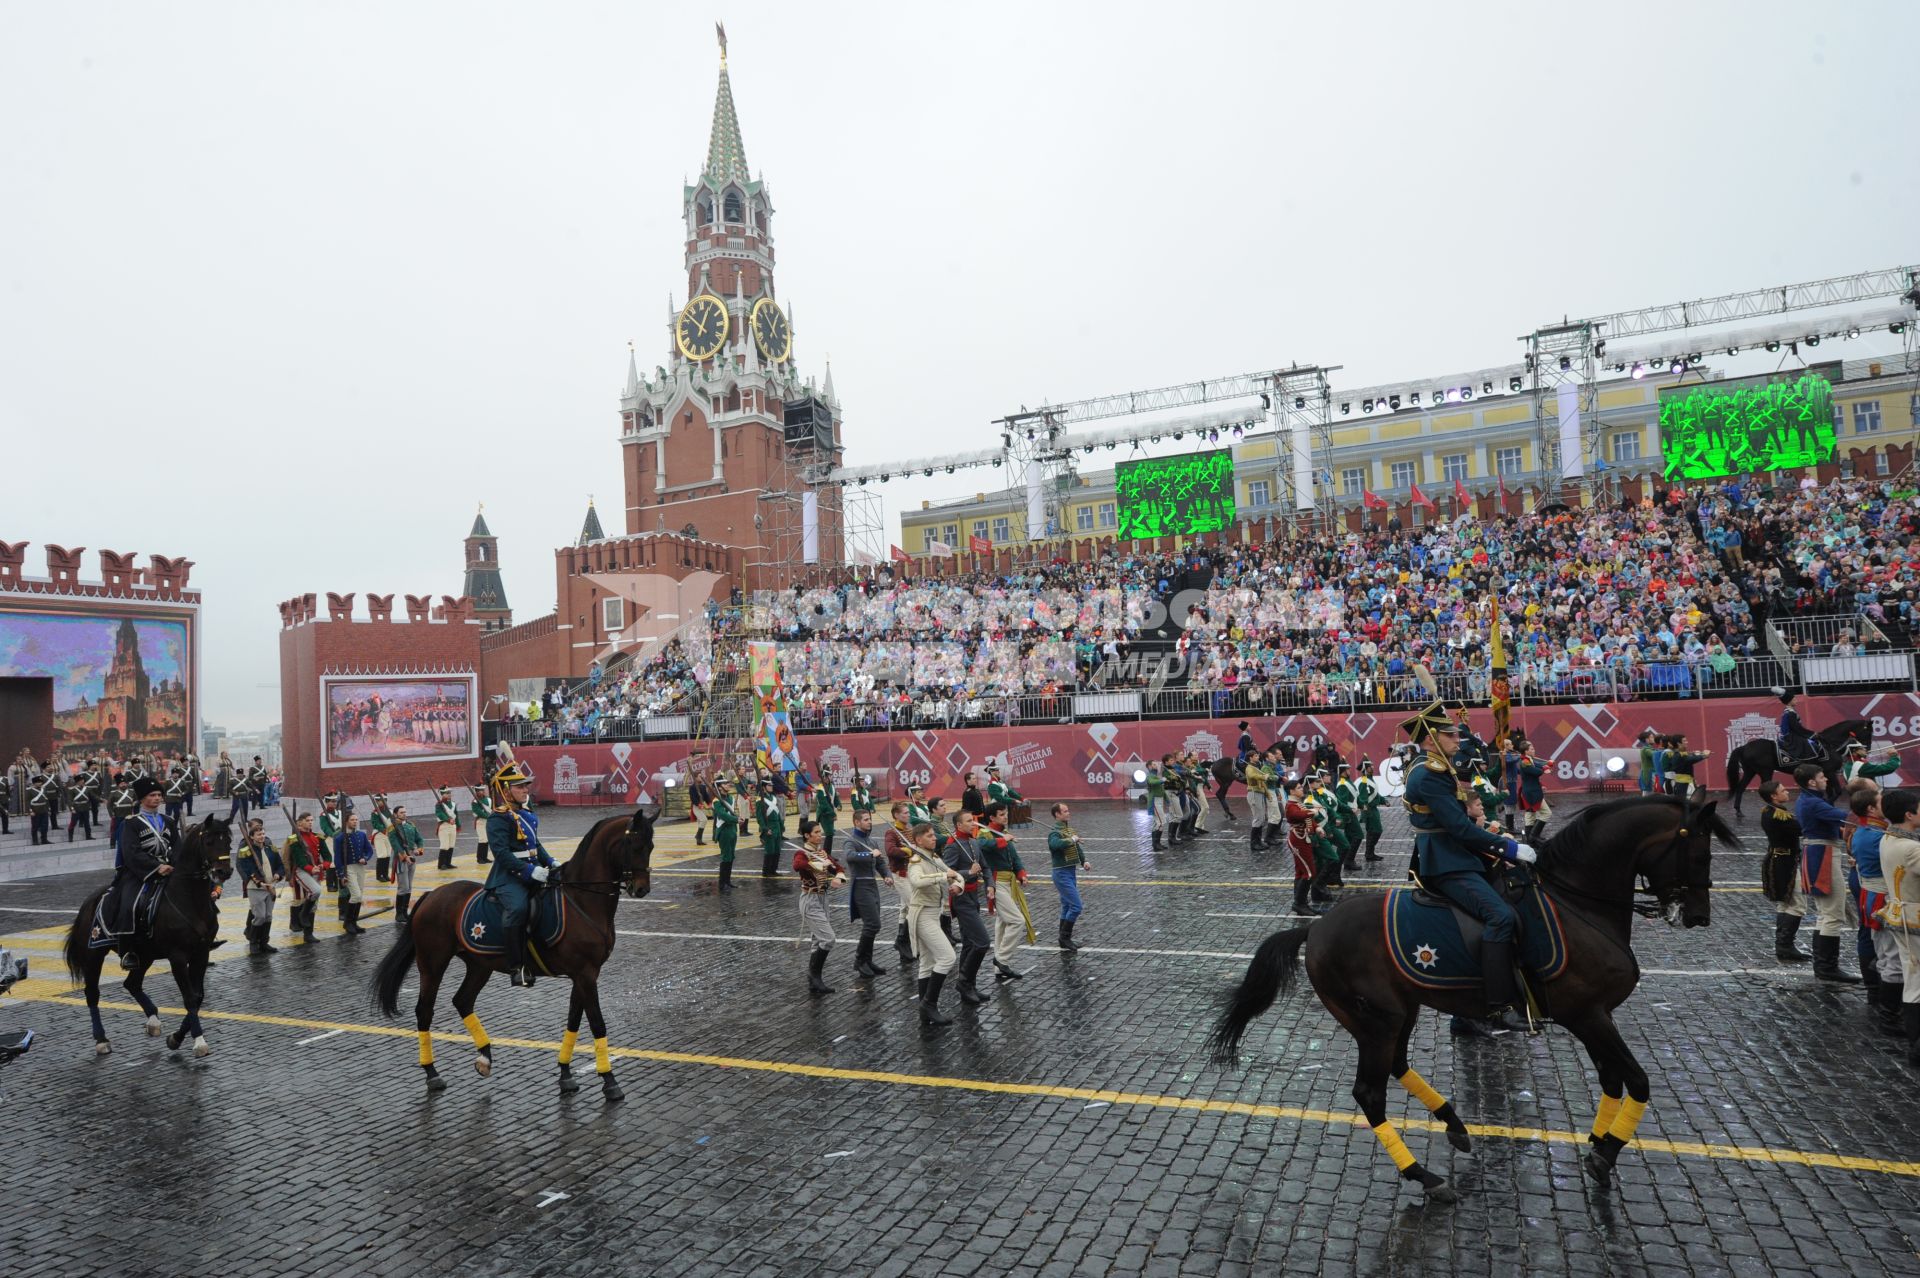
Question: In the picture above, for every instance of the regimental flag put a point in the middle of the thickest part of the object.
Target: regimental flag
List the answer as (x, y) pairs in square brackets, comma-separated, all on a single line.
[(1499, 695), (898, 555), (1371, 500), (940, 548), (1461, 495), (979, 545), (1421, 499), (763, 666), (1503, 493)]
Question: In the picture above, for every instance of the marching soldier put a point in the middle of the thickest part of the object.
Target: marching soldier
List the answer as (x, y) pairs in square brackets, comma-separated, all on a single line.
[(726, 830), (963, 857), (1157, 806), (481, 809), (1258, 778), (899, 852), (352, 854), (931, 884), (1680, 763), (120, 805), (194, 777), (176, 794), (999, 791), (6, 803), (699, 806), (305, 859), (261, 873), (1530, 797), (819, 873), (1822, 849), (79, 810), (405, 840), (42, 791), (1068, 858), (918, 813), (242, 794), (519, 861), (823, 811), (86, 798), (1299, 845), (771, 814), (380, 826), (446, 826), (1856, 768), (1453, 854), (866, 866), (1007, 900), (1370, 804), (1780, 876), (861, 798), (1346, 802)]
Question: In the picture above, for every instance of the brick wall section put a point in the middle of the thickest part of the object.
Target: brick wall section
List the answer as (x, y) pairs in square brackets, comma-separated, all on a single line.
[(310, 649)]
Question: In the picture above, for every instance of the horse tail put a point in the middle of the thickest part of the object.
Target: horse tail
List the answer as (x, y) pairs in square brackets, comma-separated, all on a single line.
[(392, 972), (78, 934), (1270, 974), (1736, 775)]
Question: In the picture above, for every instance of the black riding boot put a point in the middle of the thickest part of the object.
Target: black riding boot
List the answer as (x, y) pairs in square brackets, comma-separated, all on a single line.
[(1785, 928), (1826, 962), (380, 868), (1301, 908), (863, 963), (816, 965), (518, 968), (1910, 1022), (930, 1013), (726, 876), (352, 919), (1373, 841), (1067, 943), (1156, 840), (306, 920), (1256, 839), (401, 910), (1323, 876), (901, 945), (770, 865), (699, 836), (252, 932), (970, 969), (1496, 970), (1887, 1010)]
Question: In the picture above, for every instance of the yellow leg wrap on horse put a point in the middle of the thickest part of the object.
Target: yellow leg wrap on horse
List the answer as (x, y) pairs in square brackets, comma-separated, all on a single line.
[(1421, 1090), (426, 1047), (602, 1063), (1627, 1121), (567, 1041), (474, 1028), (1609, 1110), (1396, 1148)]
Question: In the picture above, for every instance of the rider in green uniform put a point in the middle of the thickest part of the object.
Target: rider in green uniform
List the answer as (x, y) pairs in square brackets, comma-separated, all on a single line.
[(1453, 855)]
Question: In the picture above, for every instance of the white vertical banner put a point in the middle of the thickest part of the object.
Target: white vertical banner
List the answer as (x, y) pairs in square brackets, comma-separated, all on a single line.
[(1302, 467), (1036, 503), (1573, 453), (810, 527)]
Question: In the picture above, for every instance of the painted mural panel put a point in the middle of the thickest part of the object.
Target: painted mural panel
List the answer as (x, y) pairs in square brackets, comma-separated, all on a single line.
[(121, 681), (394, 720)]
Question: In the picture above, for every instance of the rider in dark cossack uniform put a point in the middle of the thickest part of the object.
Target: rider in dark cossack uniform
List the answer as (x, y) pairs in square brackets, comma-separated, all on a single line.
[(1796, 739), (148, 844), (519, 862), (1453, 855)]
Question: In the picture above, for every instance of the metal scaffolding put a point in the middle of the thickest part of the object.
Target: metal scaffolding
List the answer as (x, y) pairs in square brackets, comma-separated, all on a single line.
[(1562, 356)]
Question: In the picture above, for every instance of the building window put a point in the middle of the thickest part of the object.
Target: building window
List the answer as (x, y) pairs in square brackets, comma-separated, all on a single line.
[(1109, 517), (1083, 518), (611, 615), (733, 209), (1001, 530), (930, 535), (980, 529), (1353, 481), (1881, 465), (703, 211), (1626, 446), (1401, 475), (1866, 417), (1453, 466), (1506, 461), (1257, 493), (953, 535), (480, 553)]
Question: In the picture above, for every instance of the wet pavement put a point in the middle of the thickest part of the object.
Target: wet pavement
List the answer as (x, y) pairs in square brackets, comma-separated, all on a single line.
[(1071, 1127)]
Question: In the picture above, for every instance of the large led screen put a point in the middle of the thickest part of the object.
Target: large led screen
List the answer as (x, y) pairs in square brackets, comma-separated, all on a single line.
[(120, 681), (1175, 496), (1745, 428)]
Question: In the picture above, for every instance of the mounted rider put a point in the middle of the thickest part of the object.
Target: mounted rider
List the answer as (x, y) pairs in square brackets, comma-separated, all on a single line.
[(1453, 855), (519, 862), (149, 842), (1796, 740)]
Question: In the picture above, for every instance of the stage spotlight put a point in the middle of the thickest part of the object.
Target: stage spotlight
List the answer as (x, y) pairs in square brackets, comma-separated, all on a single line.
[(1110, 446), (1029, 432), (1486, 388), (1513, 383), (1620, 367), (949, 470), (1414, 399), (1177, 434), (1299, 401), (1853, 332), (1213, 437), (1677, 367), (1732, 351), (1139, 776), (1156, 439), (1346, 405), (1366, 406), (1813, 339), (1896, 327), (1393, 402), (1566, 362), (1693, 360), (1600, 349), (1773, 347), (928, 472), (1639, 370), (1466, 392), (1616, 766)]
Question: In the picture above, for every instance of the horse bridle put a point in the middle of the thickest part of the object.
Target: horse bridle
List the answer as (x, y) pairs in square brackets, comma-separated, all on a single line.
[(604, 887), (1663, 899)]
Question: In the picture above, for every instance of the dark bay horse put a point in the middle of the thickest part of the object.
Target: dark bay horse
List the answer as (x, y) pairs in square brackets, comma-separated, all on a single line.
[(186, 927), (616, 854), (1759, 760), (1589, 870)]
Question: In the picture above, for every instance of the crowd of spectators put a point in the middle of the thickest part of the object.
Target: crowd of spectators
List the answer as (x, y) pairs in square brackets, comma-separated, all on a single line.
[(1667, 595)]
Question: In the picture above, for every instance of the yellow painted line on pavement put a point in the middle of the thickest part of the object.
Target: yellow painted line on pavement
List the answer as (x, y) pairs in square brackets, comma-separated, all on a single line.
[(1332, 1118)]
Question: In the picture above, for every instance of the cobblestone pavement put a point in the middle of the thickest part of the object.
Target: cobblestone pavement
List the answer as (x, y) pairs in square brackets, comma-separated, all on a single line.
[(1072, 1127)]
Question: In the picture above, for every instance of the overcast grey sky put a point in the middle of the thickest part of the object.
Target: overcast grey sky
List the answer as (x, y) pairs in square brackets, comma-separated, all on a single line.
[(288, 288)]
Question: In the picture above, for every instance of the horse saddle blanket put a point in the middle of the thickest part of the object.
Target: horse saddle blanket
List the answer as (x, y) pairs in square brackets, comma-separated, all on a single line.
[(483, 932), (1436, 945), (145, 905)]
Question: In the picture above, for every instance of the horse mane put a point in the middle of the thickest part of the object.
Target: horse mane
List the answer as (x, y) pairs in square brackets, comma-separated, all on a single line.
[(1576, 837), (580, 848)]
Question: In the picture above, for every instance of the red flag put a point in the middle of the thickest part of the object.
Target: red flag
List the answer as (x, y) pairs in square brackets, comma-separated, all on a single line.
[(1461, 495), (1371, 500), (1503, 494), (898, 554), (979, 545), (1421, 499)]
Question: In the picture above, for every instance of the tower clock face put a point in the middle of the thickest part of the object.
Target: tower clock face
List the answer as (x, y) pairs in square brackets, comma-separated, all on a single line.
[(701, 329), (771, 332)]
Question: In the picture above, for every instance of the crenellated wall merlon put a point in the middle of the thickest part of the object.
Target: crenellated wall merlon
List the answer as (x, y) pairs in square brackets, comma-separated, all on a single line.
[(303, 610), (120, 575)]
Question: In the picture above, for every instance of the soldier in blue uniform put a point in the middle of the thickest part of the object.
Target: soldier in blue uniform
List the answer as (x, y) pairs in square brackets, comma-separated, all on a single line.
[(519, 862), (1453, 855)]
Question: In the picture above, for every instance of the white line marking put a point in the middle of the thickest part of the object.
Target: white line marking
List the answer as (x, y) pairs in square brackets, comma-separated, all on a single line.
[(1096, 1104), (840, 1153), (28, 909), (551, 1196), (317, 1037)]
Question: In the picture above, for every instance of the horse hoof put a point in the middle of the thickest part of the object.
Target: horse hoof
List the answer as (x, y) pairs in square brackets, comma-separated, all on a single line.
[(1442, 1192), (483, 1066), (435, 1083), (1598, 1167), (174, 1041), (153, 1027), (1460, 1141), (611, 1090), (103, 1048), (569, 1084), (200, 1047)]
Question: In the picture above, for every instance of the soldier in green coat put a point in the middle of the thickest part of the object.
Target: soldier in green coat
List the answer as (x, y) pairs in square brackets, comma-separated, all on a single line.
[(1346, 797), (824, 807), (481, 808), (726, 829), (1370, 805), (771, 813), (861, 799)]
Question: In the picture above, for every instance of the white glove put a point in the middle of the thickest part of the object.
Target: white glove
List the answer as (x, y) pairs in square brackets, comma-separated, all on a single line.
[(1524, 854), (540, 872)]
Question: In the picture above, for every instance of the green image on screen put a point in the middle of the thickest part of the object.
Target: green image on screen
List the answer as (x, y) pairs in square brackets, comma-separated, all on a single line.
[(1746, 428), (1175, 496)]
